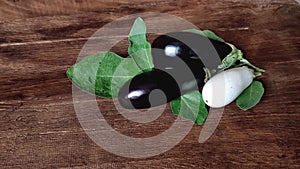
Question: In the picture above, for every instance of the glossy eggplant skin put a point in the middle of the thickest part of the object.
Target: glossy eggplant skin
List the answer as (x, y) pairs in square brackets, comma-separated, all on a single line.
[(176, 71), (194, 50), (138, 91)]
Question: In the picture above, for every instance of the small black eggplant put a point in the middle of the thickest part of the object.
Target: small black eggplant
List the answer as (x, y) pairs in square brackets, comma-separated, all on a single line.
[(179, 58), (139, 92)]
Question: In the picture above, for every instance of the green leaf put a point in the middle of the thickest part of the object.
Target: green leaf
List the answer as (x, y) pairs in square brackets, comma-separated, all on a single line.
[(206, 33), (83, 73), (140, 48), (190, 106), (103, 74), (250, 96), (113, 73)]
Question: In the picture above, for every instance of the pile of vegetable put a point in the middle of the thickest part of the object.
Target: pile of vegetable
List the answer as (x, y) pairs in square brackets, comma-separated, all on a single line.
[(174, 68)]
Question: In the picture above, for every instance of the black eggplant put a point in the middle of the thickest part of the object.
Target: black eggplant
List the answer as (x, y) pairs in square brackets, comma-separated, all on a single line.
[(136, 92), (179, 58), (173, 51)]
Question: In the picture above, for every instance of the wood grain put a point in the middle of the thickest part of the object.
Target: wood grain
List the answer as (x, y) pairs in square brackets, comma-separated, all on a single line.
[(41, 39)]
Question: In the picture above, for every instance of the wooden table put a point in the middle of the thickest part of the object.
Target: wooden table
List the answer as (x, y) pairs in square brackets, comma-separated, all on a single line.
[(38, 125)]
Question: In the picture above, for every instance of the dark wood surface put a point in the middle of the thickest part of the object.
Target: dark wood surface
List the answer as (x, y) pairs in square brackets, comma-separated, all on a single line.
[(38, 125)]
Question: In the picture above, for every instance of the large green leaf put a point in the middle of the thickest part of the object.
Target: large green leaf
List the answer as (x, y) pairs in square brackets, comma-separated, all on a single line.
[(83, 74), (140, 48), (190, 106), (250, 96), (114, 72), (103, 74)]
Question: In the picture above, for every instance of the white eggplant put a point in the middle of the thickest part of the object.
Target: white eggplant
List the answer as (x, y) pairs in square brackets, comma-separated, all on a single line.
[(225, 87)]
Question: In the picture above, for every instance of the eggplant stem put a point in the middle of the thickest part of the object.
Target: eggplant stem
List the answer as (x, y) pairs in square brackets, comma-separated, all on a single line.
[(207, 74), (246, 62), (256, 74)]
